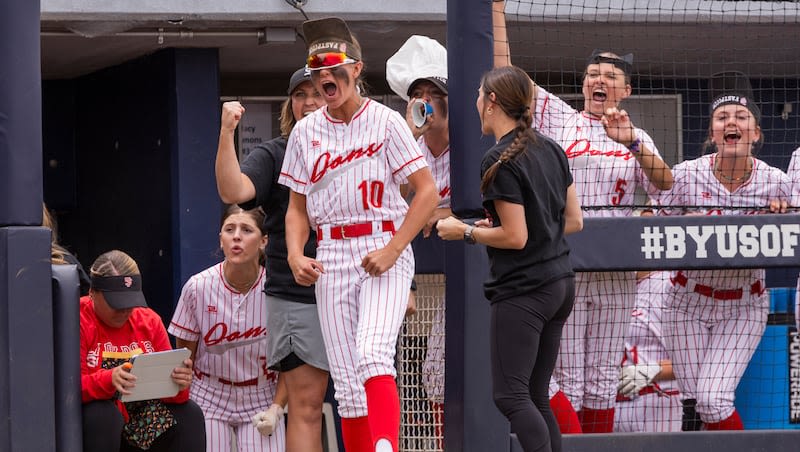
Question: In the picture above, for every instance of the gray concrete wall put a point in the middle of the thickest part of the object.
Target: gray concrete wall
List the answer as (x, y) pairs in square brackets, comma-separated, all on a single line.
[(241, 9)]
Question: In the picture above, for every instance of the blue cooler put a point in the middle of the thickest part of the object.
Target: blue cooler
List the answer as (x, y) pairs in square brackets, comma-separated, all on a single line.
[(763, 398), (781, 300)]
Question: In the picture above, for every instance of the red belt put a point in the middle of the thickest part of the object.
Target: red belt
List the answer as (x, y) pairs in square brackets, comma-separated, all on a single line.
[(651, 389), (718, 294), (351, 231), (252, 382)]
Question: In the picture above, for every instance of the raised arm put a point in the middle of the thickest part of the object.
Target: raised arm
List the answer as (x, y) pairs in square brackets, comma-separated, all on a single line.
[(502, 48), (619, 128), (502, 51), (233, 186)]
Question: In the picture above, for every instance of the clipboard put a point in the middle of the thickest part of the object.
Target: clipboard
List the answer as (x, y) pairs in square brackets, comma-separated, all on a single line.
[(153, 370)]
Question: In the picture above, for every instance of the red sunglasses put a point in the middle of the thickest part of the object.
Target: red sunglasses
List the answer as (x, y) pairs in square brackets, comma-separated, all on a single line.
[(328, 60)]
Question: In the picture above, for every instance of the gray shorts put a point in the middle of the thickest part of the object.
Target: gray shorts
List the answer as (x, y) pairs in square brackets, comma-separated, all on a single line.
[(294, 328)]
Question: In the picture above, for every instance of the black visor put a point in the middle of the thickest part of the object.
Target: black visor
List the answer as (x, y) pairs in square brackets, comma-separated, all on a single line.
[(120, 292)]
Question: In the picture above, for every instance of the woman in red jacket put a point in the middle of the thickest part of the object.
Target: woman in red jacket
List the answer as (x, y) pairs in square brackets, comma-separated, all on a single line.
[(116, 324)]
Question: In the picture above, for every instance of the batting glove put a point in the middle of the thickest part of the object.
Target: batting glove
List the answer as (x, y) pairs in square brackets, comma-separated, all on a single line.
[(267, 421), (633, 378)]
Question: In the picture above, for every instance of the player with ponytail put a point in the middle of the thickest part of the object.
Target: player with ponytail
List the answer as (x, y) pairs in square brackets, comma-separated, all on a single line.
[(530, 203)]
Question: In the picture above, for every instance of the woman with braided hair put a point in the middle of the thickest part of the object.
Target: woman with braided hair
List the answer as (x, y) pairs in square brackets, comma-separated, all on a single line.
[(610, 159), (530, 203)]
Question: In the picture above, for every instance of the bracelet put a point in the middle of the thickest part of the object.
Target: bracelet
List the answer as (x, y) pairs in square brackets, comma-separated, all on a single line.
[(635, 147)]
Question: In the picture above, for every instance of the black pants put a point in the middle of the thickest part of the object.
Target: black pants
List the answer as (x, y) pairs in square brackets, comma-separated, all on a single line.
[(525, 335), (102, 429)]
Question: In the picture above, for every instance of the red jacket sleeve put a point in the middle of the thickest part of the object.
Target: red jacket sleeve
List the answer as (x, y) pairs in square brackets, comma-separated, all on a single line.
[(95, 383)]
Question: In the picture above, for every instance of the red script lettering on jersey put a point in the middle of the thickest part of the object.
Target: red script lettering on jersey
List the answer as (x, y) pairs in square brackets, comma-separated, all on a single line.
[(574, 150), (219, 333), (324, 161)]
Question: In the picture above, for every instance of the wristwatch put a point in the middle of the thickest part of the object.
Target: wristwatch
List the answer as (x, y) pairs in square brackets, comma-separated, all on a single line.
[(468, 237)]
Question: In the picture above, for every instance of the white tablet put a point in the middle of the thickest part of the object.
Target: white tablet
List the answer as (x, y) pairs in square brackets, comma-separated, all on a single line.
[(153, 370)]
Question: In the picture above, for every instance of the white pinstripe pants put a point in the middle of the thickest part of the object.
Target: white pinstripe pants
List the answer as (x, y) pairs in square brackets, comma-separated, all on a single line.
[(360, 316), (711, 343)]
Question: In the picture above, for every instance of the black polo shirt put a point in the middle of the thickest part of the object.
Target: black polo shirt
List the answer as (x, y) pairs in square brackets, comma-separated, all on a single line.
[(538, 179), (263, 166)]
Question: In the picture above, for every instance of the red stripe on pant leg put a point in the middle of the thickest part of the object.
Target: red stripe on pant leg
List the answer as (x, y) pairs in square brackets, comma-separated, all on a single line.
[(565, 414), (732, 422), (356, 434), (383, 408), (597, 421)]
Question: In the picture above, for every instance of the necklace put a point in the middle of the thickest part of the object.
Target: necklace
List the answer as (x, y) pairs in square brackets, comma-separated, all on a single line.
[(242, 287), (728, 178)]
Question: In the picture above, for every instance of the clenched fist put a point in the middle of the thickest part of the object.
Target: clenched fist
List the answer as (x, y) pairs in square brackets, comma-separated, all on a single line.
[(232, 113)]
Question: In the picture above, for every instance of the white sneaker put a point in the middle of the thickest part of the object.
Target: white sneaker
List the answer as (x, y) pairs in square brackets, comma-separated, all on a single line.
[(383, 445)]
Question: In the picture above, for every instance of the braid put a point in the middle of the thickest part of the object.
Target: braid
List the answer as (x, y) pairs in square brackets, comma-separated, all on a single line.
[(513, 92)]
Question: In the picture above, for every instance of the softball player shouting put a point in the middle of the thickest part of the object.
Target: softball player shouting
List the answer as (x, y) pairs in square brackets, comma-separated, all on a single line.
[(714, 319), (344, 165)]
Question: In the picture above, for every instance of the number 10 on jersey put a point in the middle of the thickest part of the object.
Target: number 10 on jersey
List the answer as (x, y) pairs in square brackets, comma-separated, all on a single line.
[(371, 194)]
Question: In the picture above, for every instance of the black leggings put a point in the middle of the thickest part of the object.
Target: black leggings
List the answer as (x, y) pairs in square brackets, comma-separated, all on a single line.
[(102, 429), (525, 334)]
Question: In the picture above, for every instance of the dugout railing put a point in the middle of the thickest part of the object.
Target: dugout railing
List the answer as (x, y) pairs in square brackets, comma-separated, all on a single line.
[(624, 244)]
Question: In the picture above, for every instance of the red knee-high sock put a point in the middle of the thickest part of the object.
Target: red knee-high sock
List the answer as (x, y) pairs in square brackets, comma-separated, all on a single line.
[(383, 406), (565, 414), (732, 422), (597, 421), (356, 434), (438, 423)]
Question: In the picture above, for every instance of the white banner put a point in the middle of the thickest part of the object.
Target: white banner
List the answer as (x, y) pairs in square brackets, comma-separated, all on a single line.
[(255, 127)]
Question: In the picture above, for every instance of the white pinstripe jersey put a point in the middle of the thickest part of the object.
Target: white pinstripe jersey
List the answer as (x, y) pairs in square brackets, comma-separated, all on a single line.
[(230, 327), (440, 169), (644, 342), (605, 172), (696, 185), (351, 173), (794, 175)]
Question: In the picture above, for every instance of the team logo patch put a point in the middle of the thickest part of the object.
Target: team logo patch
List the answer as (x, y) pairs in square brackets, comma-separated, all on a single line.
[(211, 308), (128, 281), (706, 195)]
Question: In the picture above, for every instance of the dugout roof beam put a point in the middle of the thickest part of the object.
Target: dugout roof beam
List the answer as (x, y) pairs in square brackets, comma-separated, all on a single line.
[(82, 37)]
